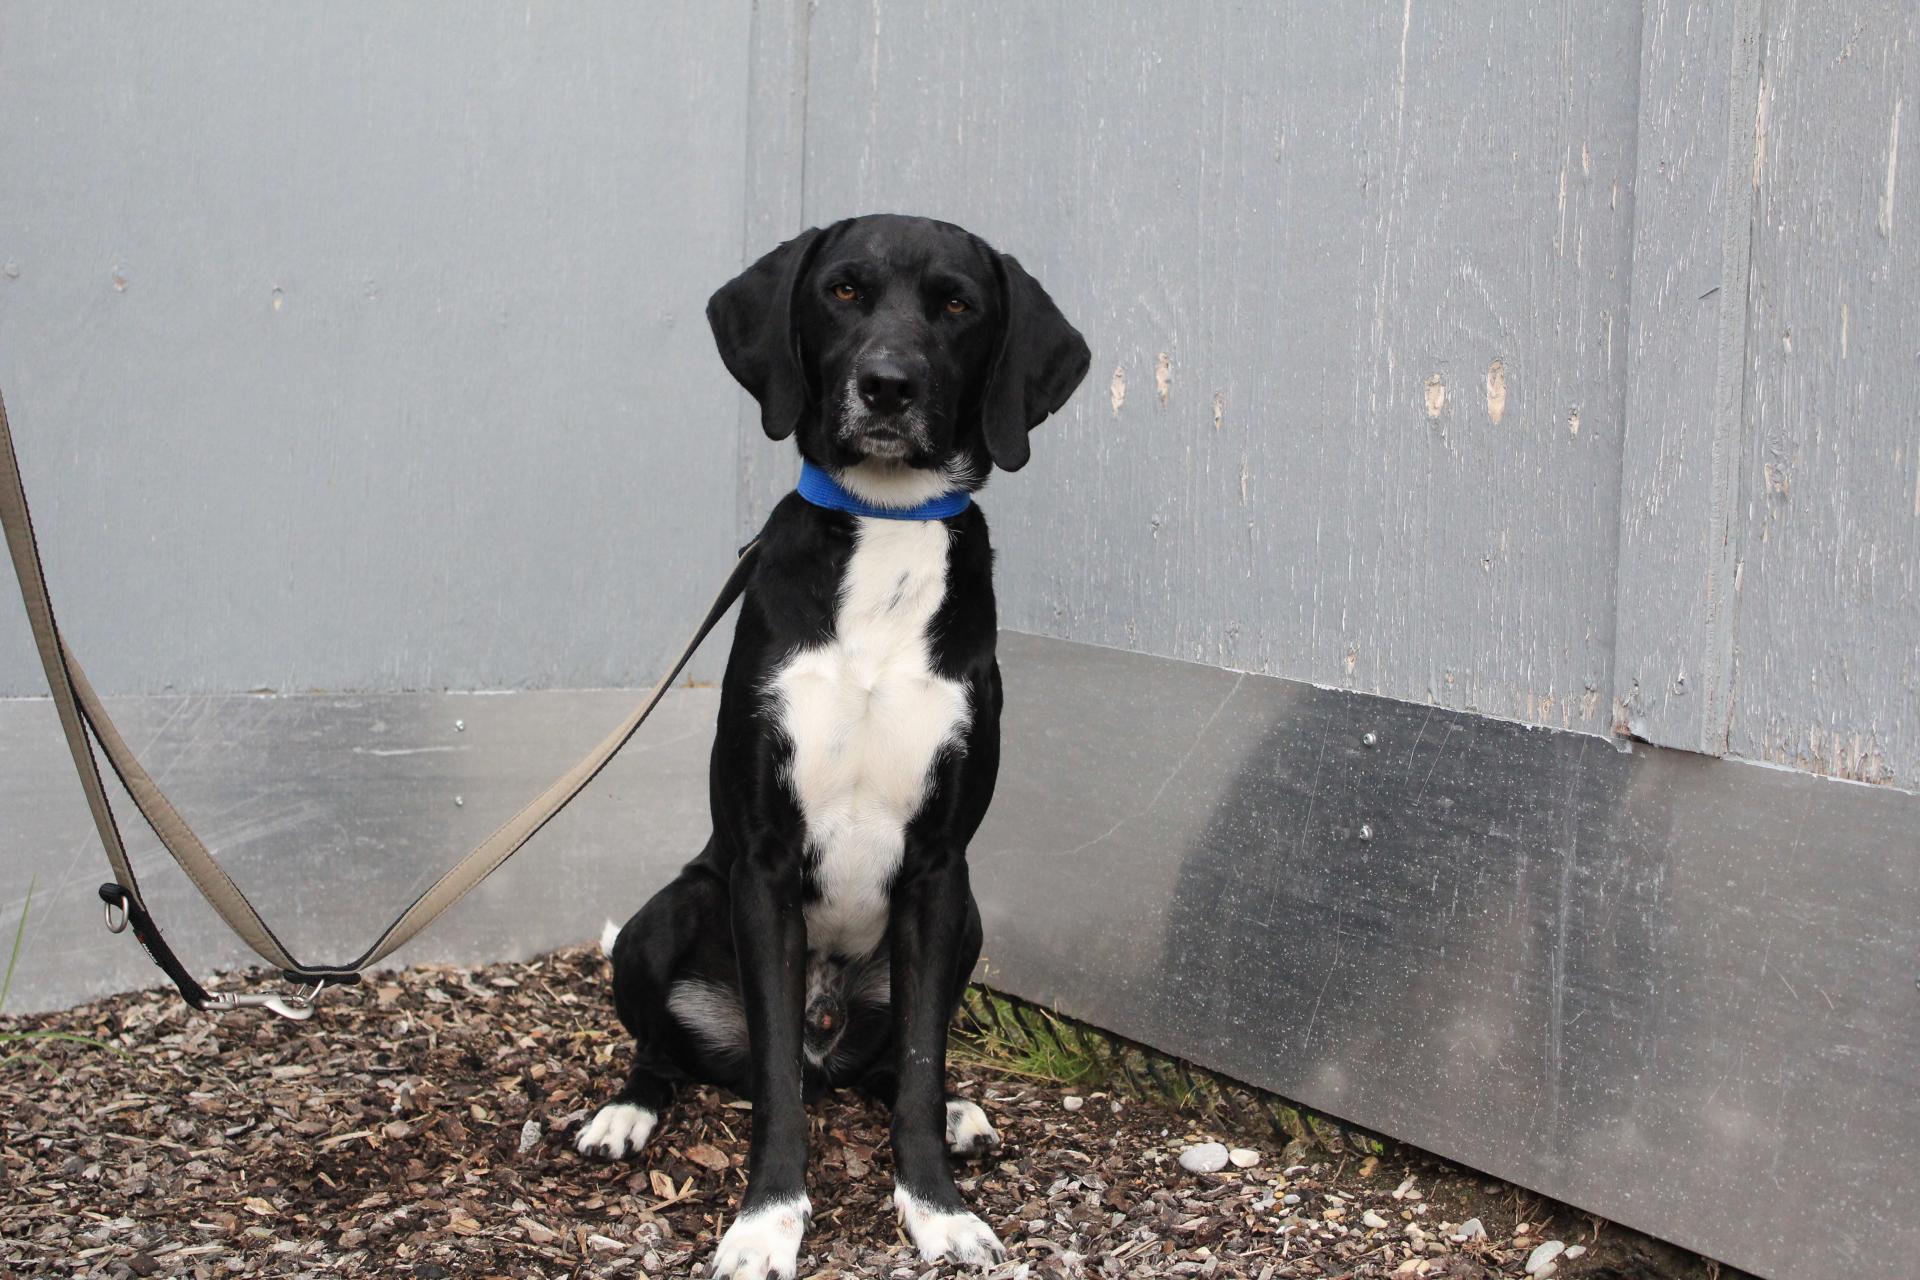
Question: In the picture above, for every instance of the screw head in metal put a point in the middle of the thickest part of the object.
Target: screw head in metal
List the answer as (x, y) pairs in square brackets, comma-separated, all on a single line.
[(459, 726), (1366, 831), (1369, 739), (459, 802)]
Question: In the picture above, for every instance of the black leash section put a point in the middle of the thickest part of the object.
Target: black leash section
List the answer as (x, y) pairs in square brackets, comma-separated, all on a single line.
[(82, 714)]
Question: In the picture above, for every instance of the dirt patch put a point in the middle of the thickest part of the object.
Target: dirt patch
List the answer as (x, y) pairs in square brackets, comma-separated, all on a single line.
[(419, 1126)]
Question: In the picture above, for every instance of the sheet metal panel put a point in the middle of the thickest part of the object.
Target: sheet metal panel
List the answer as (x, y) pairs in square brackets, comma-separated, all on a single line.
[(348, 345), (333, 812), (1676, 991)]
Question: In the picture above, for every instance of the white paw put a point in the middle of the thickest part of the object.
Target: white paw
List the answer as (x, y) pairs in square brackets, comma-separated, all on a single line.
[(618, 1129), (763, 1243), (953, 1237), (968, 1133)]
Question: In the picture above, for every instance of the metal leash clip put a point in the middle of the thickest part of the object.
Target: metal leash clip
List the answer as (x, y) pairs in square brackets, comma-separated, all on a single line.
[(297, 1007)]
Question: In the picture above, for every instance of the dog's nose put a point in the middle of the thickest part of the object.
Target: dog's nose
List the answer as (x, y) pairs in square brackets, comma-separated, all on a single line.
[(889, 384)]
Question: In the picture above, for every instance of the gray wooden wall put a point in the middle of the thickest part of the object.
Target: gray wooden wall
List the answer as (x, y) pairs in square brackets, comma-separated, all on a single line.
[(1553, 361), (359, 346)]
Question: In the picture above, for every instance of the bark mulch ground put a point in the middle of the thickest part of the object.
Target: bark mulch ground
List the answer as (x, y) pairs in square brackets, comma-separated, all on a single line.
[(419, 1126)]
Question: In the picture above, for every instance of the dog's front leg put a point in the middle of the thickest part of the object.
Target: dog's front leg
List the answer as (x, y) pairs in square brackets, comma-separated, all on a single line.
[(770, 941), (928, 920)]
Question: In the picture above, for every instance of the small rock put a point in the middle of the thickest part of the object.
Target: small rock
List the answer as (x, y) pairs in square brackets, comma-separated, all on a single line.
[(1543, 1257), (1574, 1251), (529, 1136), (1373, 1220), (1400, 1192), (1207, 1157), (1290, 1198), (1243, 1158), (1072, 1102), (1471, 1229)]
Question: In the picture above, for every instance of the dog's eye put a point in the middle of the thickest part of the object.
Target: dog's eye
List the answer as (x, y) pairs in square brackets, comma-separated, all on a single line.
[(845, 292), (955, 306)]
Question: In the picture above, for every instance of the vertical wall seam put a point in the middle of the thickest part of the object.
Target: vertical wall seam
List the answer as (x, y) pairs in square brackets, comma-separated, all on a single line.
[(1635, 298), (1730, 374)]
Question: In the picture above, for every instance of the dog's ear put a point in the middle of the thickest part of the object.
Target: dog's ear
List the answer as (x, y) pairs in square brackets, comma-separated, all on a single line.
[(752, 320), (1040, 360)]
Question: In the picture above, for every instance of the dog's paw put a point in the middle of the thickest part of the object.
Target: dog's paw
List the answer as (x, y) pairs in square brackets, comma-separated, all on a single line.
[(943, 1235), (616, 1130), (968, 1133), (763, 1243)]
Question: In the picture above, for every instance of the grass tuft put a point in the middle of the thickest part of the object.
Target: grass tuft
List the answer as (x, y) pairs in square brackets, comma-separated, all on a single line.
[(11, 1038), (1005, 1033)]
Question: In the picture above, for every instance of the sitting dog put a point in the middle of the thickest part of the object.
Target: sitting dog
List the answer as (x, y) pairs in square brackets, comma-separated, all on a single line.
[(824, 936)]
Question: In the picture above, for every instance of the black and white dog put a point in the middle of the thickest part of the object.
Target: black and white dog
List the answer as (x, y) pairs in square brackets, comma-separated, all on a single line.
[(825, 934)]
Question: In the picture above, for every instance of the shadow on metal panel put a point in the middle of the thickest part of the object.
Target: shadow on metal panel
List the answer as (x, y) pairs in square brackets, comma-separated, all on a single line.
[(1675, 991)]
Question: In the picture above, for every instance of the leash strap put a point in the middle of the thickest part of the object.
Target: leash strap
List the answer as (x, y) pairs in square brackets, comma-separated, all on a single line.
[(81, 713)]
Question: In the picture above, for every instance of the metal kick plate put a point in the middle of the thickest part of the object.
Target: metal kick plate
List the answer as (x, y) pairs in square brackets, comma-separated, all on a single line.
[(333, 811), (1676, 991)]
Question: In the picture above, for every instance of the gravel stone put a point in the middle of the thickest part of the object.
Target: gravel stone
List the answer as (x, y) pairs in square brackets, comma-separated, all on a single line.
[(1543, 1257), (423, 1127), (1207, 1157)]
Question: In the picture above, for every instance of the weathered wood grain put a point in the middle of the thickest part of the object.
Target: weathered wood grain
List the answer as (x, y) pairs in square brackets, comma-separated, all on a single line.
[(1827, 670), (1357, 296), (355, 348), (1673, 659)]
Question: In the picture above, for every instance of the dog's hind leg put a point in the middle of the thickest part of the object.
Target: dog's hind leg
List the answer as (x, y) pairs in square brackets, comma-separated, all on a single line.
[(662, 941), (622, 1126)]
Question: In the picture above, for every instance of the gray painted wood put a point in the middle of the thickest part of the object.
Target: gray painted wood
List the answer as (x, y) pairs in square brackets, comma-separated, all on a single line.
[(1410, 373), (1307, 254), (1828, 660), (1673, 661), (352, 347), (776, 165)]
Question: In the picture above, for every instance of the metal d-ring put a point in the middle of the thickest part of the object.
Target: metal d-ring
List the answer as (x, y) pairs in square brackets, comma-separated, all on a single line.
[(117, 923)]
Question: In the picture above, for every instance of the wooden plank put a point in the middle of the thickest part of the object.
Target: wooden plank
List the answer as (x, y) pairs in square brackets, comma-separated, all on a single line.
[(1828, 630), (1357, 294), (776, 168), (1673, 662)]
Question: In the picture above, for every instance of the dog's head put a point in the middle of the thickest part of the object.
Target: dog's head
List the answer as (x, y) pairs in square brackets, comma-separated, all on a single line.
[(908, 355)]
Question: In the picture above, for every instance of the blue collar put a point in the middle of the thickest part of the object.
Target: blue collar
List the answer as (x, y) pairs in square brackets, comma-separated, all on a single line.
[(822, 490)]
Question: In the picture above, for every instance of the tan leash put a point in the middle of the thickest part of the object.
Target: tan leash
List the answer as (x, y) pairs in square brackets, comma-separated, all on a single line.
[(81, 711)]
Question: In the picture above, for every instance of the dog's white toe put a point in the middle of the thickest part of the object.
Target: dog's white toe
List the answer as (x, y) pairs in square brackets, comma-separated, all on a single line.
[(968, 1133), (944, 1236), (617, 1129), (763, 1243)]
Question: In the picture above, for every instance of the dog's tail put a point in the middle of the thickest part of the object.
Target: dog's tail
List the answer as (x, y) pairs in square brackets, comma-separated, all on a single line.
[(608, 933)]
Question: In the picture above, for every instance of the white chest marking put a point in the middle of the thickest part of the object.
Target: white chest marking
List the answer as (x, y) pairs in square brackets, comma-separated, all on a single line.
[(867, 716)]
